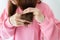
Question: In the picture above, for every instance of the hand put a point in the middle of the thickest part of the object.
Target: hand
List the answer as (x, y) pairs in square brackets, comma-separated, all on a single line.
[(16, 21), (37, 14)]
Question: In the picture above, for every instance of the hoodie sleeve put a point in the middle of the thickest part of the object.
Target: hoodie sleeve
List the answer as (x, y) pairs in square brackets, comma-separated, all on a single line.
[(50, 27), (6, 29)]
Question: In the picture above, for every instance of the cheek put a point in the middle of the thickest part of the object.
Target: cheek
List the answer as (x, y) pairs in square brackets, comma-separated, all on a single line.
[(14, 2)]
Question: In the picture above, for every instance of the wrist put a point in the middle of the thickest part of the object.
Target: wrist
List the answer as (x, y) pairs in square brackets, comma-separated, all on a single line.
[(8, 24), (12, 21), (40, 18)]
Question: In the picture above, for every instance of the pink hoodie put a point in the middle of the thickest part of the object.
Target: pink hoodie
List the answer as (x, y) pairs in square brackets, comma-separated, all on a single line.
[(49, 29)]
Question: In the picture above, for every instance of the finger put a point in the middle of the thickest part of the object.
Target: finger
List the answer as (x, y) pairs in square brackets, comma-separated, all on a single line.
[(19, 20), (18, 15), (27, 10), (20, 23), (34, 10), (27, 22), (23, 23)]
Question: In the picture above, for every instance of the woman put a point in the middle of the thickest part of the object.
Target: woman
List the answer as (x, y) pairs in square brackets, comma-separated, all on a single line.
[(43, 27)]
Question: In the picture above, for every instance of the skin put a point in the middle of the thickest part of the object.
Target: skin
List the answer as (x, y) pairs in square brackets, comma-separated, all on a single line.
[(14, 2)]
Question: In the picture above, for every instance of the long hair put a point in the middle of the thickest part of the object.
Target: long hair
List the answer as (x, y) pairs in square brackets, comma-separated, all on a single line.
[(11, 8), (23, 4)]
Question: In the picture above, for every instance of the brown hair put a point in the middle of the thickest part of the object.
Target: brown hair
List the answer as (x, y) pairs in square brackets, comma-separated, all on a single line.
[(23, 4)]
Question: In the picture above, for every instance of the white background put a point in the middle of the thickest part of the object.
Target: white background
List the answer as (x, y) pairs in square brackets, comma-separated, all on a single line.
[(53, 4)]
